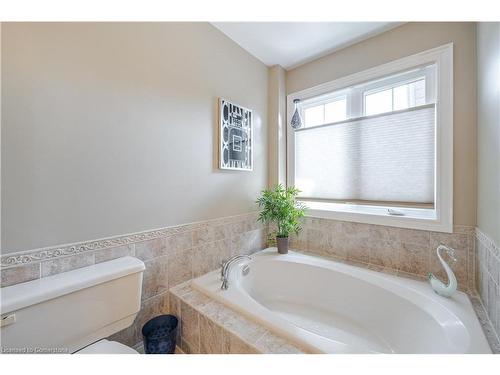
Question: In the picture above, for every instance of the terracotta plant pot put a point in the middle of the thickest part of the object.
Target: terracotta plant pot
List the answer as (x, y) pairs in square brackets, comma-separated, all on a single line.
[(282, 244)]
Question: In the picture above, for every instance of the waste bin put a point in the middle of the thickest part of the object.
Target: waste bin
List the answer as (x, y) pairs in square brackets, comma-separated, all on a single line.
[(159, 335)]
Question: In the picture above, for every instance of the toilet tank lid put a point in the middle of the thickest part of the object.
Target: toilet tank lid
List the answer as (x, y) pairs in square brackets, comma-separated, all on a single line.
[(18, 296)]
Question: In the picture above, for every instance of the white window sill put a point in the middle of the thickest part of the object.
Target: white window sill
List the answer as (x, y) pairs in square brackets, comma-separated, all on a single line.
[(413, 218)]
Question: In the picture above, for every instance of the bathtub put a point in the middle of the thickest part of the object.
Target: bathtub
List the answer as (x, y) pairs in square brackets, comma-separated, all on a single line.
[(324, 306)]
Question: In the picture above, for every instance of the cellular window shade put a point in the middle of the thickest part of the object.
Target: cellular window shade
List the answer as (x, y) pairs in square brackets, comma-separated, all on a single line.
[(382, 158)]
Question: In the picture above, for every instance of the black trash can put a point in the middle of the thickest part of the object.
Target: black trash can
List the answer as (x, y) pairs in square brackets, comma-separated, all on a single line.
[(159, 335)]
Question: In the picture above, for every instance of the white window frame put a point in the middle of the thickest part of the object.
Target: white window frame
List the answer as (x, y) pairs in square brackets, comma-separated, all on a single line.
[(441, 217)]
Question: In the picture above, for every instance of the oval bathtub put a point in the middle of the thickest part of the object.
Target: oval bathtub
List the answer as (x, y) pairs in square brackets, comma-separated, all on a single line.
[(328, 307)]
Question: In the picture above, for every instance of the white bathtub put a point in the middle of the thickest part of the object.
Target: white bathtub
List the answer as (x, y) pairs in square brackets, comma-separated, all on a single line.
[(328, 307)]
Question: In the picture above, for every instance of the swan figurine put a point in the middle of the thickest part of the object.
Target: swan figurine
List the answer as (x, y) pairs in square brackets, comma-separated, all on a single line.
[(439, 287)]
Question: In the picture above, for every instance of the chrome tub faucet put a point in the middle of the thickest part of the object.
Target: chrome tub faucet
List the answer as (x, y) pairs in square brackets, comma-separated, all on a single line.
[(225, 265)]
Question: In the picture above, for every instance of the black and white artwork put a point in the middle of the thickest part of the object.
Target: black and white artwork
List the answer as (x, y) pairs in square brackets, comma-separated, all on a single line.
[(236, 136)]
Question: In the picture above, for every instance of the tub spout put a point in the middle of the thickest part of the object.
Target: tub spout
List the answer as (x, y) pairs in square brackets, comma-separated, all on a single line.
[(445, 290), (224, 272)]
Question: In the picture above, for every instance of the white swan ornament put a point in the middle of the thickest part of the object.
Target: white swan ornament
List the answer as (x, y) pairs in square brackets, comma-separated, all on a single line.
[(445, 290)]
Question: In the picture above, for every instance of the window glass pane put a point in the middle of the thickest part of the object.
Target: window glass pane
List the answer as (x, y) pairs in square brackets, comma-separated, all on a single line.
[(417, 93), (378, 102), (400, 97), (314, 116), (336, 111)]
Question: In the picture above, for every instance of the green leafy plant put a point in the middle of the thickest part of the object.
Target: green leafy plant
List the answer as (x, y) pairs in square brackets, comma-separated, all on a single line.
[(279, 206)]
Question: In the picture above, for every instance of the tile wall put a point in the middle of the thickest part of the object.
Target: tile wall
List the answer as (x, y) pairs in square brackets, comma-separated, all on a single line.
[(488, 283), (172, 256), (406, 252)]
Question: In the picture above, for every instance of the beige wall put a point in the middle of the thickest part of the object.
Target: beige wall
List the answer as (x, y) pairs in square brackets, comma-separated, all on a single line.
[(488, 129), (276, 120), (109, 129), (403, 41)]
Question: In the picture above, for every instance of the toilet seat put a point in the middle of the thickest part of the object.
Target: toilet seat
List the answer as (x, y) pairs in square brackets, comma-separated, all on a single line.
[(107, 347)]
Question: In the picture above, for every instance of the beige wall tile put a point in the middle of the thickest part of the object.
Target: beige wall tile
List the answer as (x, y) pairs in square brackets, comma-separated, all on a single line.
[(299, 242), (248, 242), (155, 277), (179, 242), (181, 289), (210, 233), (22, 274), (180, 266), (174, 305), (244, 328), (384, 253), (196, 299), (209, 256), (271, 343), (189, 348), (174, 308), (150, 249), (414, 258), (190, 329), (218, 313), (383, 233), (318, 240), (210, 336), (457, 241), (357, 230), (113, 253), (357, 249), (413, 236), (232, 344), (58, 265), (235, 228)]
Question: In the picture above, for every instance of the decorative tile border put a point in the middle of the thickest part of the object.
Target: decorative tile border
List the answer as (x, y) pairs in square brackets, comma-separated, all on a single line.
[(38, 255)]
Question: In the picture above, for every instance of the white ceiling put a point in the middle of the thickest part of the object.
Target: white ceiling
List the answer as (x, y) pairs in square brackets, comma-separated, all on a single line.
[(291, 44)]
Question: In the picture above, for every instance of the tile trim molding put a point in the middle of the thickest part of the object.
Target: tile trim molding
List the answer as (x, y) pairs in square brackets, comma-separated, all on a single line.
[(22, 258)]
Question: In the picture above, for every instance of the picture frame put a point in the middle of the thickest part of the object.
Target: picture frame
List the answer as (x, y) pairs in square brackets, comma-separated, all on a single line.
[(235, 124)]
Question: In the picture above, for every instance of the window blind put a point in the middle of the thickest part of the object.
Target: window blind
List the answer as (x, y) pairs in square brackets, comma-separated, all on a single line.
[(386, 157)]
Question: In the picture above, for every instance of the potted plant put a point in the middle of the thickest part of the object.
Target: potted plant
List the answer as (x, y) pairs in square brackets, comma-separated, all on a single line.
[(279, 206)]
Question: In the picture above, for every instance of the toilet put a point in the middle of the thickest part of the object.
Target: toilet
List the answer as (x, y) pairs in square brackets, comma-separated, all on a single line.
[(73, 312)]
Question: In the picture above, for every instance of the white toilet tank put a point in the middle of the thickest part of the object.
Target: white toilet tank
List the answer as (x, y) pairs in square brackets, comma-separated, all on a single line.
[(68, 311)]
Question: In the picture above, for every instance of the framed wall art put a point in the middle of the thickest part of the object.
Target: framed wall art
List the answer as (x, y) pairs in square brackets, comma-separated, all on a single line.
[(235, 136)]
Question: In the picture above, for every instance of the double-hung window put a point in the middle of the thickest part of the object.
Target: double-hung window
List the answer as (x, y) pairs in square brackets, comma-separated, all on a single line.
[(376, 146)]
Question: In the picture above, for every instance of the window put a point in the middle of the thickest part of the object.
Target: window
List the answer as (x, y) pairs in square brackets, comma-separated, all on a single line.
[(396, 98), (330, 110), (371, 148)]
